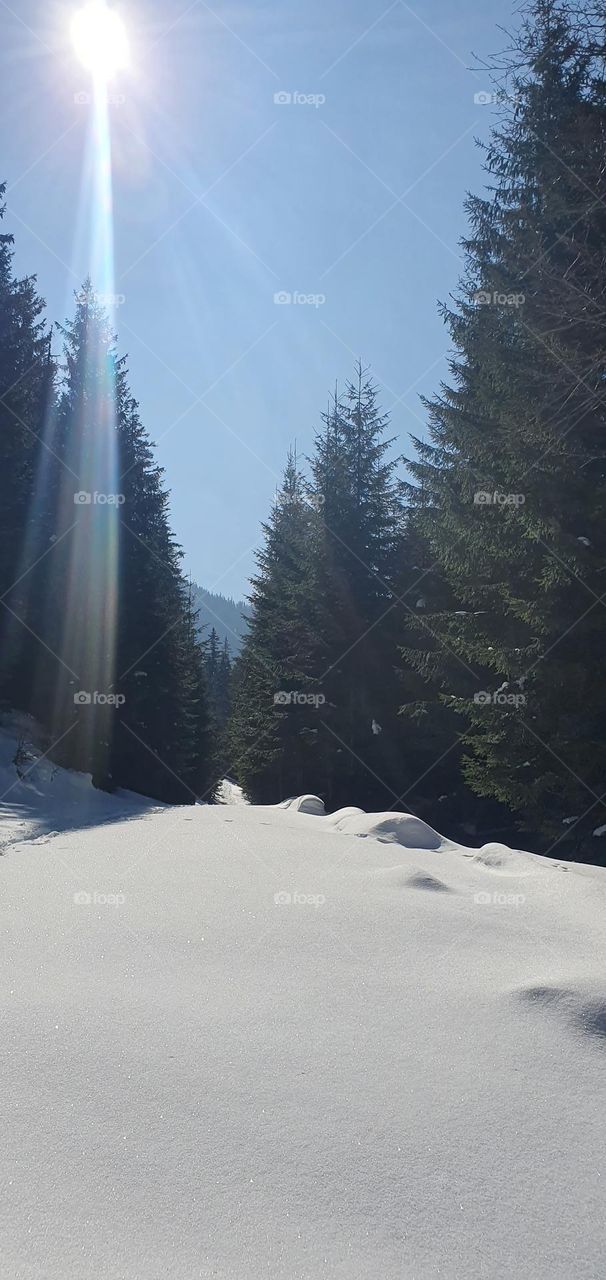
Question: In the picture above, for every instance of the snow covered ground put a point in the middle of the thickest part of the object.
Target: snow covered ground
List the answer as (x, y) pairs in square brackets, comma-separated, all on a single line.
[(37, 799), (245, 1042)]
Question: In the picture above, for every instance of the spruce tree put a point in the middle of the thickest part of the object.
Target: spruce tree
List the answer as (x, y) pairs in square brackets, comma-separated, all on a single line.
[(275, 722), (512, 484), (119, 625), (357, 530), (26, 523), (218, 668)]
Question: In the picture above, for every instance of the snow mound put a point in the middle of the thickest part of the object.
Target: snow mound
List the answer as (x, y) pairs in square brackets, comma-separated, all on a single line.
[(393, 828), (580, 1008), (39, 798), (305, 804), (335, 818), (424, 880), (499, 857)]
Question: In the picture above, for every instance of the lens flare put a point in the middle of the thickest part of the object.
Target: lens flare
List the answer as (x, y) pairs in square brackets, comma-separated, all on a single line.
[(100, 40)]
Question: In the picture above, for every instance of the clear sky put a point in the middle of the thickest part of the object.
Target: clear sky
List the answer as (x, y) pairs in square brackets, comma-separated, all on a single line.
[(225, 197)]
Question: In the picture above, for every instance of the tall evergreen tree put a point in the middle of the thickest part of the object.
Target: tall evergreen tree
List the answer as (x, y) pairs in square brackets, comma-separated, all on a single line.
[(274, 723), (119, 625), (357, 532), (218, 667), (322, 639), (513, 481), (26, 377)]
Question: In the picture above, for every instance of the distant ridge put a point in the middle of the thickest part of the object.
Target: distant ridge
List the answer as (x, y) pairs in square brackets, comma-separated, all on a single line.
[(222, 613)]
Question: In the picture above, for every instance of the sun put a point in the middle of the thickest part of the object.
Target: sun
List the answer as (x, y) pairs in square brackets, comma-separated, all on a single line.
[(100, 40)]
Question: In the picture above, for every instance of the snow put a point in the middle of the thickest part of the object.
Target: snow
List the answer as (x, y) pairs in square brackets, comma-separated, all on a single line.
[(245, 1042), (38, 799), (303, 804), (228, 792), (396, 828)]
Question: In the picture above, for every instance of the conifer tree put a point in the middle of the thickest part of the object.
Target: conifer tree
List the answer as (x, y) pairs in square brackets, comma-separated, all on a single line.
[(119, 624), (218, 667), (322, 639), (26, 378), (514, 478), (357, 530), (274, 723)]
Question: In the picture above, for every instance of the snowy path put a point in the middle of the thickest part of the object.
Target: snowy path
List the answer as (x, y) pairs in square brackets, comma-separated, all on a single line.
[(393, 1080)]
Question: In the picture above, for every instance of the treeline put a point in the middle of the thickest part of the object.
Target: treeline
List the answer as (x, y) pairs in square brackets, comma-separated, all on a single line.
[(98, 635), (226, 616), (439, 644)]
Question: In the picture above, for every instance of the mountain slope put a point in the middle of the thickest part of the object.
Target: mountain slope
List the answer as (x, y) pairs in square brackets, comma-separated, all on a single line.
[(227, 616)]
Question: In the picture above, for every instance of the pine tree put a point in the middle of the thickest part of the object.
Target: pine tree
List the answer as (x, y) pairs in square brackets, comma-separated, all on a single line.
[(26, 377), (274, 722), (357, 532), (218, 678), (119, 624), (513, 479), (218, 668)]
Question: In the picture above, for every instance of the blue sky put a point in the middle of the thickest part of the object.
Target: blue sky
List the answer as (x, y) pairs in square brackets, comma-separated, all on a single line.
[(224, 197)]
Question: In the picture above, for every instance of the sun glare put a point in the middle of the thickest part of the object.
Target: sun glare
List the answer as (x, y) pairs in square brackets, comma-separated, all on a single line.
[(100, 40)]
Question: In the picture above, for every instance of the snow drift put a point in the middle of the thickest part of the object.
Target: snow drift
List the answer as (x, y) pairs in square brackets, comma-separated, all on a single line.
[(242, 1042)]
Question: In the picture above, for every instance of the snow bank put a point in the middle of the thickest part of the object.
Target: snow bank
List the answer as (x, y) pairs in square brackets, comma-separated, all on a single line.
[(38, 798), (239, 1044), (392, 828), (304, 804), (335, 818)]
